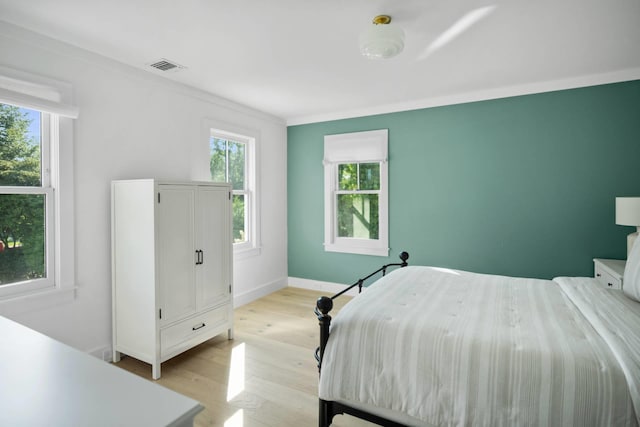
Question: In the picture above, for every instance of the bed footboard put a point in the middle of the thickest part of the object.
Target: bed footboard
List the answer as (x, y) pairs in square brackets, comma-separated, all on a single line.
[(324, 304)]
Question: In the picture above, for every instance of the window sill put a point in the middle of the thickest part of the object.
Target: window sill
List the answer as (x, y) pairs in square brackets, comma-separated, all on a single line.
[(356, 250), (38, 300)]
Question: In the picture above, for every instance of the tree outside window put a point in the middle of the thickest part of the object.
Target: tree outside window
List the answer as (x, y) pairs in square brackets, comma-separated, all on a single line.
[(22, 201), (357, 200), (228, 164)]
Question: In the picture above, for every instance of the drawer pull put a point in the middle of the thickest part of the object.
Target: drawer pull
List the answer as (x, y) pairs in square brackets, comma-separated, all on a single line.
[(200, 326), (610, 284), (598, 275)]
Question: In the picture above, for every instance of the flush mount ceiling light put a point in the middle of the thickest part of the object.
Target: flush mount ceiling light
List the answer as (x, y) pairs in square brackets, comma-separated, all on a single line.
[(382, 39)]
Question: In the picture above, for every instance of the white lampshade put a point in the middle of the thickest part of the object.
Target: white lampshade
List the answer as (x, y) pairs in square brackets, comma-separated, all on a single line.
[(628, 213), (381, 40)]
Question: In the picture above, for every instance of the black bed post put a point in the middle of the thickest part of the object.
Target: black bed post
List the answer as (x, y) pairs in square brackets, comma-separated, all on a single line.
[(324, 306), (326, 414), (404, 256)]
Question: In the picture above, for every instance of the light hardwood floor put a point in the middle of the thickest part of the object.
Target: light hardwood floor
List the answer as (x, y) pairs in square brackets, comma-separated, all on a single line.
[(265, 376)]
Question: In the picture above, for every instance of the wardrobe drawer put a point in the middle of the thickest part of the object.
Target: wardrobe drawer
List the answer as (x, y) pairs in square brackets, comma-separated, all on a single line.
[(198, 327)]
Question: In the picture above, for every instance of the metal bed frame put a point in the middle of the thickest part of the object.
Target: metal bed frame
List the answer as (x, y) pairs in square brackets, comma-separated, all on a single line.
[(329, 409)]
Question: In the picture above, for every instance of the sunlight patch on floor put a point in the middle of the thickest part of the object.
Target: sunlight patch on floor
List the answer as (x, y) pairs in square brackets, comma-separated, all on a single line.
[(236, 373), (236, 420)]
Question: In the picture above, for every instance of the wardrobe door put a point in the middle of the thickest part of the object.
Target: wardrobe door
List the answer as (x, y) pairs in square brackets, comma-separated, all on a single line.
[(177, 254), (214, 239)]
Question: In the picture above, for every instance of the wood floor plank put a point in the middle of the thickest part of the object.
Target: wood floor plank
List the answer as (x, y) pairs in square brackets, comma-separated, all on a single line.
[(276, 336)]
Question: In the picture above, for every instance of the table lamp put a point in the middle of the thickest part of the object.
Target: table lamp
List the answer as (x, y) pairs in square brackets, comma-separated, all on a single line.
[(628, 213)]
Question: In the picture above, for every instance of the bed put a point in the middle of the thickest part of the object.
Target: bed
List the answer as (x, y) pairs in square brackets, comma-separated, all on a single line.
[(429, 346)]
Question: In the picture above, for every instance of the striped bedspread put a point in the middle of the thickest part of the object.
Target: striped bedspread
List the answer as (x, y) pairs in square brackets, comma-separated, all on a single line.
[(442, 347)]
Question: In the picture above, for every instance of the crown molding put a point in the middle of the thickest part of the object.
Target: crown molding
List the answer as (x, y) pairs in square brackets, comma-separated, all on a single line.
[(45, 42), (483, 95)]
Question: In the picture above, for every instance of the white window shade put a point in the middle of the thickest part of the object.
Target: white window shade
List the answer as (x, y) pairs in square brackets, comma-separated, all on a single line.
[(37, 93), (357, 147)]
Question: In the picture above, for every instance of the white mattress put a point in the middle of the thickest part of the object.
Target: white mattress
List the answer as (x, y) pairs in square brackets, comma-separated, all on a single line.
[(430, 346)]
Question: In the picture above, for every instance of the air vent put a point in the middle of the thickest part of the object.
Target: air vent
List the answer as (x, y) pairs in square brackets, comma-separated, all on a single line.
[(166, 65)]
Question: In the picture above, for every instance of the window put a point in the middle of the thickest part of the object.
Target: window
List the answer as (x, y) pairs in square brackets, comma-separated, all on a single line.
[(26, 198), (36, 185), (356, 193), (232, 159)]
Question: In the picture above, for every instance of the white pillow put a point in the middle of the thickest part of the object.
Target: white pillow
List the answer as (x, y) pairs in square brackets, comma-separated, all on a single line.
[(631, 282)]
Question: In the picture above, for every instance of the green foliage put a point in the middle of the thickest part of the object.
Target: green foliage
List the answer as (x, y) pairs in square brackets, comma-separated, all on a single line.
[(19, 155), (358, 216), (359, 176), (238, 219), (358, 212), (218, 160), (22, 216), (369, 176), (348, 176), (227, 164)]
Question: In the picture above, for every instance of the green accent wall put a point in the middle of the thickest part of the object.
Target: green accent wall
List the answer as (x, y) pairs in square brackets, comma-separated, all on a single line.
[(521, 186)]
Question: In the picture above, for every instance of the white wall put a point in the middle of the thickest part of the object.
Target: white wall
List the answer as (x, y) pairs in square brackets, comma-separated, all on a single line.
[(134, 124)]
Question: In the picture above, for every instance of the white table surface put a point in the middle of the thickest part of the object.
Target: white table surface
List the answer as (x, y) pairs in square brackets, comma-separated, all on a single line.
[(46, 383)]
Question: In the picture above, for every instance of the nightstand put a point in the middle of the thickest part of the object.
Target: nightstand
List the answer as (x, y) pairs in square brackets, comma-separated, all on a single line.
[(609, 272)]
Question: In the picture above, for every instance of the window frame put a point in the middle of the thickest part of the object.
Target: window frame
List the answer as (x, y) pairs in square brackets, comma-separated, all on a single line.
[(214, 129), (359, 148), (47, 129), (51, 98)]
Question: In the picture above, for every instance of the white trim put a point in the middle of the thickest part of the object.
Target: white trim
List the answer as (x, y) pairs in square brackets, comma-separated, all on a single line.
[(258, 292), (474, 96), (343, 246), (251, 138), (58, 177), (143, 72), (21, 100), (356, 147), (46, 42), (48, 128), (329, 288), (62, 180), (25, 190), (28, 90)]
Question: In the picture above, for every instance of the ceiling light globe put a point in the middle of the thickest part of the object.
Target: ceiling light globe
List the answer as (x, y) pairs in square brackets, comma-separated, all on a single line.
[(381, 41)]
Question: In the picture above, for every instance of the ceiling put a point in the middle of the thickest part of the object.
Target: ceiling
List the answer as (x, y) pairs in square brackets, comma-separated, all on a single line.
[(299, 59)]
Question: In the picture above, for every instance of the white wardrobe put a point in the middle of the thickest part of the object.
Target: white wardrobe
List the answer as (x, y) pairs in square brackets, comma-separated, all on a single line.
[(171, 267)]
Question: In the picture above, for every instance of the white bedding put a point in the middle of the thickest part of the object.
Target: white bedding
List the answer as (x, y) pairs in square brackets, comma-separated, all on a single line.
[(443, 347)]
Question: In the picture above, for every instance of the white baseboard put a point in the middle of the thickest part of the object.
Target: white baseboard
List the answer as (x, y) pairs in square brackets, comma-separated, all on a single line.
[(316, 285), (254, 294)]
